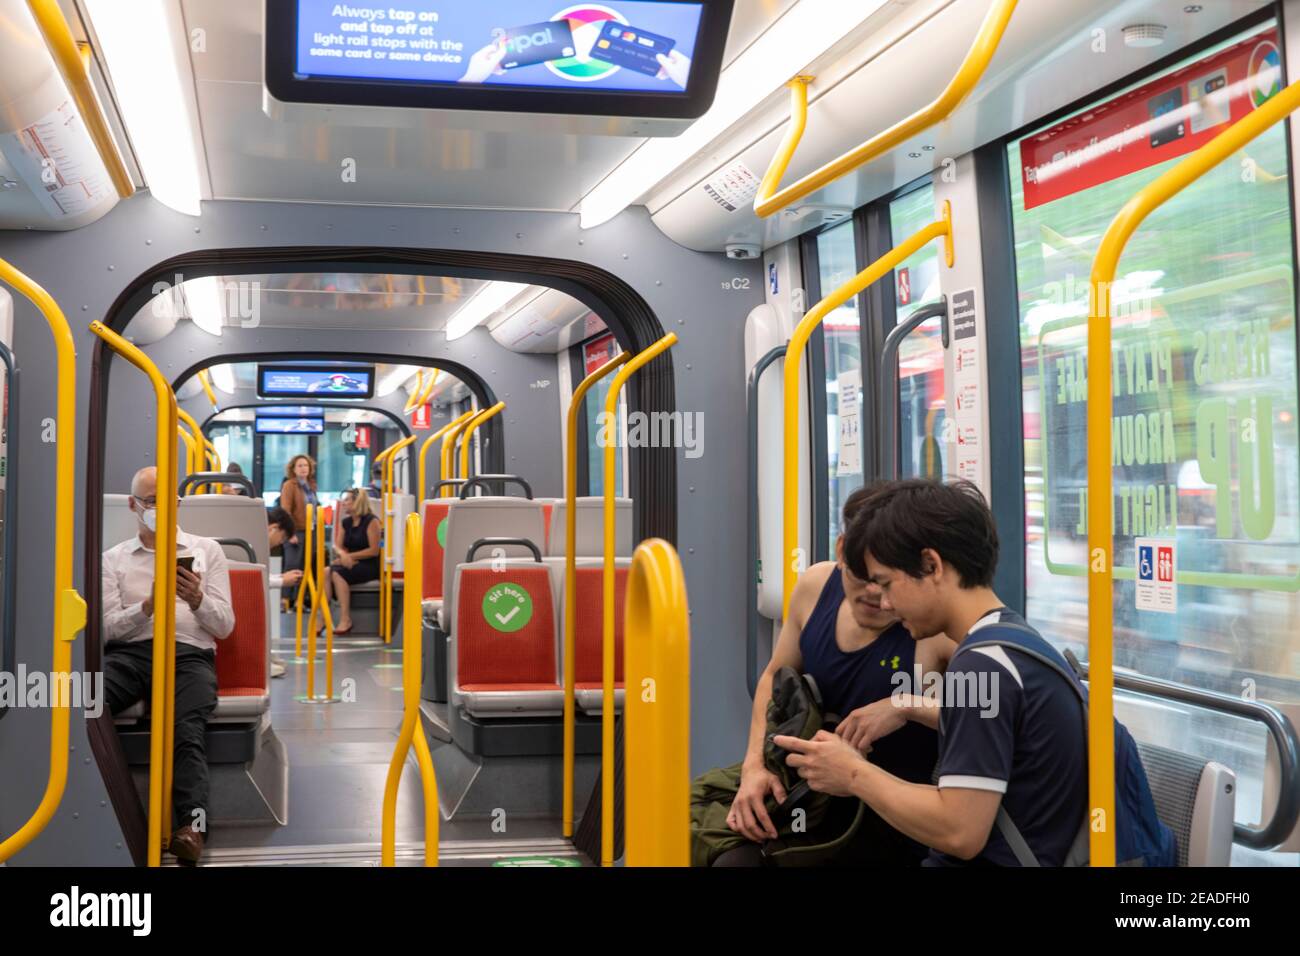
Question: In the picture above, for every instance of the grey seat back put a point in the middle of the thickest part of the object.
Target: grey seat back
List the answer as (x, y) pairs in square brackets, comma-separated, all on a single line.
[(470, 519), (1195, 798), (228, 516), (589, 528)]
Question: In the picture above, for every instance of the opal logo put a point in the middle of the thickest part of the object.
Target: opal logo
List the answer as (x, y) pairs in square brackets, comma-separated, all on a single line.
[(587, 21), (518, 44)]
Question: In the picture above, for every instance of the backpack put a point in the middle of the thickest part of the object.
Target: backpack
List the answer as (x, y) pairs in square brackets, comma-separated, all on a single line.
[(1141, 839)]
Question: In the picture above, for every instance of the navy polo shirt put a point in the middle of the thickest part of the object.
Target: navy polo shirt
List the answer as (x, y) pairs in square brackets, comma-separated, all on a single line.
[(1011, 725)]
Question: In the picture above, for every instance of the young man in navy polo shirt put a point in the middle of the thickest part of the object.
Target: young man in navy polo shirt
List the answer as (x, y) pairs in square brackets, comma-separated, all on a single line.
[(1011, 730)]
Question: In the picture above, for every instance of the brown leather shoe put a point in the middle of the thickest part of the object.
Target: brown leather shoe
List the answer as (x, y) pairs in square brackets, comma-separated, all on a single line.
[(187, 845)]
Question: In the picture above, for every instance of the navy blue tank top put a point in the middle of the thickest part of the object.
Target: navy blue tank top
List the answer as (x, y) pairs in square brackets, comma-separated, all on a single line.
[(850, 681)]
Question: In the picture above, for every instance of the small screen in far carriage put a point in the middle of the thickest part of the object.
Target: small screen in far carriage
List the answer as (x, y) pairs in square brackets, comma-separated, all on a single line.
[(315, 381)]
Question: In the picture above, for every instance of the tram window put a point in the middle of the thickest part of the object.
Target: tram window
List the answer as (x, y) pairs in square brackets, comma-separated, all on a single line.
[(595, 354), (920, 359), (1204, 362), (336, 470), (837, 263), (276, 452), (234, 443)]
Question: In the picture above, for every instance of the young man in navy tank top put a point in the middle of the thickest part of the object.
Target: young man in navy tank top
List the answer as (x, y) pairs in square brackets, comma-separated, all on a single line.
[(1012, 730), (838, 634)]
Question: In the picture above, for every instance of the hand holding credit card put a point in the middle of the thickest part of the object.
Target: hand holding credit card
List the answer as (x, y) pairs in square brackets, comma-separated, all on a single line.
[(635, 49)]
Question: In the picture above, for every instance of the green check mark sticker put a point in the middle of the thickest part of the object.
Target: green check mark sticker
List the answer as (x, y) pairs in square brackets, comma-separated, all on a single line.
[(507, 607), (442, 532)]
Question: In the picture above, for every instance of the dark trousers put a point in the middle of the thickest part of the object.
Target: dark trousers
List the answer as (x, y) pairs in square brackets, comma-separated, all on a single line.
[(128, 678), (291, 560)]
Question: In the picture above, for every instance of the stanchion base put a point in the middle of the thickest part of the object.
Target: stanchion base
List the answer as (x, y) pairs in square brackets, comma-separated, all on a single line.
[(304, 699)]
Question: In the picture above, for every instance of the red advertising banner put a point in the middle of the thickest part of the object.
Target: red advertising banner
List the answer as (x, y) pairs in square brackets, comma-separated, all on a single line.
[(597, 352), (422, 417), (1161, 120), (363, 436)]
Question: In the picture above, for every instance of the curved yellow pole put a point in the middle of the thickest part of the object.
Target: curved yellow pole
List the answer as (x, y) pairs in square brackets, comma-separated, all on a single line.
[(306, 590), (321, 571), (382, 459), (657, 730), (203, 454), (413, 400), (206, 382), (768, 202), (428, 443), (1101, 705), (412, 727), (69, 608), (571, 576), (62, 46), (467, 435), (309, 565), (428, 391), (190, 451), (163, 698), (633, 365), (449, 441), (386, 562), (794, 361)]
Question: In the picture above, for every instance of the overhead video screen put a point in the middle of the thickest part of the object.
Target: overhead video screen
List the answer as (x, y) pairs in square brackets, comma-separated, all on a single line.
[(290, 426), (317, 381), (457, 53)]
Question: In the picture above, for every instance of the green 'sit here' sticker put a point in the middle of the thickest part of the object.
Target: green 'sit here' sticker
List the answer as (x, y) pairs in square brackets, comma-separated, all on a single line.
[(507, 607)]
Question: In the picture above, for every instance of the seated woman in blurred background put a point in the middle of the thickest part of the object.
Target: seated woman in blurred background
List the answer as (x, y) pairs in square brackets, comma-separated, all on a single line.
[(356, 548)]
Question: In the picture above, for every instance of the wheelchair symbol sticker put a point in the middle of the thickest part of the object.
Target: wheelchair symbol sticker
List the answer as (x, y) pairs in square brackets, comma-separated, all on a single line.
[(1157, 588)]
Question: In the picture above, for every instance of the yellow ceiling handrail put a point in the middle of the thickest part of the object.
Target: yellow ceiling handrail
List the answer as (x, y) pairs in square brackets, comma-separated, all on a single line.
[(206, 382), (467, 435), (428, 443), (657, 732), (571, 578), (433, 380), (633, 365), (1101, 585), (412, 726), (163, 700), (793, 559), (69, 608), (769, 201), (412, 400), (63, 48)]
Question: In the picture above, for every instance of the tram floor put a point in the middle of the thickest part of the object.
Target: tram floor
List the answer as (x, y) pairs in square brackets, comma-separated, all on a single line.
[(338, 756)]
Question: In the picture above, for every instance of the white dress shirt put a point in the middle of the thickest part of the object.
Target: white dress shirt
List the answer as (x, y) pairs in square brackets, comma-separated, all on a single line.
[(127, 580)]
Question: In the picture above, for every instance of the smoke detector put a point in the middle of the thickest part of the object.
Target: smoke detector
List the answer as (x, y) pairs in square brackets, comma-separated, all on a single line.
[(1144, 35)]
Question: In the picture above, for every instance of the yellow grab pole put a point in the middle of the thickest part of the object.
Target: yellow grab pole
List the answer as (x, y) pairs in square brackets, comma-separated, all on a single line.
[(467, 435), (657, 733), (428, 389), (428, 443), (768, 201), (321, 572), (1101, 726), (413, 399), (386, 597), (206, 382), (308, 570), (412, 727), (199, 447), (58, 37), (571, 576), (794, 360), (304, 589), (382, 460), (189, 450), (633, 365), (449, 441), (163, 698), (69, 608)]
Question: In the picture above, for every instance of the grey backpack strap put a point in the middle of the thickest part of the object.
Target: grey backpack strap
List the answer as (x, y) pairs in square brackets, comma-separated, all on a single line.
[(1011, 834)]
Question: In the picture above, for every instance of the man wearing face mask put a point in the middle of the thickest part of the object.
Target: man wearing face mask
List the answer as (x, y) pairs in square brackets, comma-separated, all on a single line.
[(204, 615)]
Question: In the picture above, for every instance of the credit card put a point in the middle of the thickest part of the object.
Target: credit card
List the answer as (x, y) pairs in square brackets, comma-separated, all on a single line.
[(537, 43), (632, 48)]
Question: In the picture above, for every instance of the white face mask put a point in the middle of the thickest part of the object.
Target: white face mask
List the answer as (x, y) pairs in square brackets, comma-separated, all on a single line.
[(148, 516)]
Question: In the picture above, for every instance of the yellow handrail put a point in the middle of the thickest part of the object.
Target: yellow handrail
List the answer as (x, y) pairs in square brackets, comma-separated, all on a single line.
[(657, 710), (386, 562), (428, 443), (190, 451), (309, 559), (1101, 727), (768, 201), (412, 726), (381, 460), (203, 454), (69, 608), (794, 360), (467, 435), (571, 576), (206, 382), (306, 589), (428, 391), (412, 400), (448, 471), (163, 699), (319, 584), (633, 365), (58, 38)]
